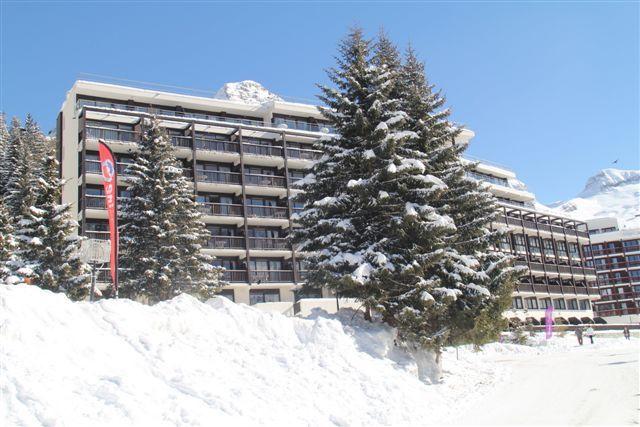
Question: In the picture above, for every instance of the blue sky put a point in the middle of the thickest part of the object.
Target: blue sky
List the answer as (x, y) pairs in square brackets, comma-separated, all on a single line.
[(551, 89)]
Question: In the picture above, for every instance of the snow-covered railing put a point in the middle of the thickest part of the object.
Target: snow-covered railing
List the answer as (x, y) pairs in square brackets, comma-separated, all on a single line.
[(302, 125), (486, 162)]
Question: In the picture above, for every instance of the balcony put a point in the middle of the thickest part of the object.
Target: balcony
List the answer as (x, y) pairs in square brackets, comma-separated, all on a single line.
[(267, 212), (303, 154), (116, 135), (301, 125), (225, 242), (234, 276), (274, 243), (220, 209), (271, 276), (265, 180), (94, 202), (217, 177), (618, 312), (93, 166), (617, 281), (217, 145), (262, 150), (181, 141), (620, 296), (97, 235)]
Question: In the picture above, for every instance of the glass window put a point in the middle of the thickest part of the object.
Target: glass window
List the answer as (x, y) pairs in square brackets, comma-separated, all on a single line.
[(585, 304), (532, 303), (517, 303), (628, 243), (545, 302), (559, 304), (229, 294), (257, 296), (572, 304)]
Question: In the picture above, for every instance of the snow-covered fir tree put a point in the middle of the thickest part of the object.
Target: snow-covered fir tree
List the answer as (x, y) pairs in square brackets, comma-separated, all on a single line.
[(48, 251), (161, 232), (463, 297), (347, 220), (383, 205), (19, 171), (4, 144), (8, 244)]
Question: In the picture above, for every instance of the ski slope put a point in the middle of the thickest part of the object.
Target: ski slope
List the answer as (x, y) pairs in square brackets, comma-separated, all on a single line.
[(187, 363)]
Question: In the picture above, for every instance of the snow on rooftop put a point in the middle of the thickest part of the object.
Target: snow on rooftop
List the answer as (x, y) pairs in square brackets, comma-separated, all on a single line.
[(246, 91)]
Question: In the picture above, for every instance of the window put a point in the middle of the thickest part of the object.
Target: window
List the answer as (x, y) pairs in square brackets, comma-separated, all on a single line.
[(573, 250), (228, 263), (559, 304), (630, 243), (548, 248), (228, 294), (572, 304), (634, 274), (264, 232), (265, 264), (562, 249), (532, 303), (517, 303), (585, 304), (545, 302), (519, 242), (257, 296), (505, 244), (534, 245)]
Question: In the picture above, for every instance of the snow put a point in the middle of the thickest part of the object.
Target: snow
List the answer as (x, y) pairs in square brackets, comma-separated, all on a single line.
[(246, 91), (183, 362), (609, 193)]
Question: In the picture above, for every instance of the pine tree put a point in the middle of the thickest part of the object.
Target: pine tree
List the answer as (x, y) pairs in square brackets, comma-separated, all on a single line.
[(466, 291), (162, 234), (4, 145), (7, 243), (48, 250), (345, 223), (19, 172)]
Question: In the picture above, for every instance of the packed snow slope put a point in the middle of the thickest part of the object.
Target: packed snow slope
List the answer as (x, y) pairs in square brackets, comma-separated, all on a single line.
[(609, 193), (183, 362)]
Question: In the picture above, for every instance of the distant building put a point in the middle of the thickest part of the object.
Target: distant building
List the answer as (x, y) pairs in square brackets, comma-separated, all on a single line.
[(243, 159), (615, 254)]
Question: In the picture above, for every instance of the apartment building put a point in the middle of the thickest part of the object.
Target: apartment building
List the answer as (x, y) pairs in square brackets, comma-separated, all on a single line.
[(549, 246), (615, 254), (243, 159)]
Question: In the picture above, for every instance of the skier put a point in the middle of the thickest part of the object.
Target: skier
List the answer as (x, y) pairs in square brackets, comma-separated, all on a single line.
[(579, 334), (590, 333), (626, 332)]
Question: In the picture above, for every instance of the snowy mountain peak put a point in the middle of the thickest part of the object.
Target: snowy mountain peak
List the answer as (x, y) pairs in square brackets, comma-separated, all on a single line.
[(246, 91), (609, 193), (607, 179)]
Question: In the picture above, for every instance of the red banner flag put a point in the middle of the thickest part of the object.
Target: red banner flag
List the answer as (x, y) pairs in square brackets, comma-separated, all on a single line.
[(110, 182)]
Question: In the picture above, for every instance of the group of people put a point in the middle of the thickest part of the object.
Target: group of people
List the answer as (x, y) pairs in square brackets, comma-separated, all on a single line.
[(590, 333)]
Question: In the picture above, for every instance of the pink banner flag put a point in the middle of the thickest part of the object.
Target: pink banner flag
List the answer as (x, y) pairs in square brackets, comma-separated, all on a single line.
[(548, 321), (110, 181)]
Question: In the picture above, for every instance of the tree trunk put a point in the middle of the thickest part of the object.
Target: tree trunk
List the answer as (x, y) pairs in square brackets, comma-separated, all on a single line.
[(367, 312), (429, 365)]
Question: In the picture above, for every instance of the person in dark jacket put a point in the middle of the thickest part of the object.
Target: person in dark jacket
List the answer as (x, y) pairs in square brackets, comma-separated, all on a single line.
[(626, 332), (579, 334)]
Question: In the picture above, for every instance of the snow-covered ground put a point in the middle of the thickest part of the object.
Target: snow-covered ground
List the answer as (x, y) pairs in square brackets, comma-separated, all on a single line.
[(182, 362)]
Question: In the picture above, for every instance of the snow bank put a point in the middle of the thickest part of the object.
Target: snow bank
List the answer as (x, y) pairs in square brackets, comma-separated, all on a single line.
[(182, 362)]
